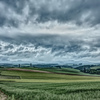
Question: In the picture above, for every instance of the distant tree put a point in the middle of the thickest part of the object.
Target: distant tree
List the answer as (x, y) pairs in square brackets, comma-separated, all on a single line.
[(58, 67), (19, 66), (30, 64), (84, 70)]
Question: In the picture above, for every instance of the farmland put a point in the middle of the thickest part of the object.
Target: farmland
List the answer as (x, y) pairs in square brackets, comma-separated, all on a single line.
[(26, 85)]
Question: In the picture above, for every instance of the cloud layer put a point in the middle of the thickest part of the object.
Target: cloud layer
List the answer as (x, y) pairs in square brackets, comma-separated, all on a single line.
[(50, 30)]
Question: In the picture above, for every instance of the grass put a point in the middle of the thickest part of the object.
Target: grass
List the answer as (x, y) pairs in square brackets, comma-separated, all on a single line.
[(70, 71), (52, 91), (9, 77), (58, 70), (45, 76), (96, 67), (46, 86)]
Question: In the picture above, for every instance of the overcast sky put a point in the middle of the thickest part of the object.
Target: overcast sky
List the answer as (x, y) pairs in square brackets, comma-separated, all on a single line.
[(50, 31)]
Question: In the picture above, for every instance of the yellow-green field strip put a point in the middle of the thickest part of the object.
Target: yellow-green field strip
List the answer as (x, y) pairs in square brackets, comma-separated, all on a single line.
[(47, 81)]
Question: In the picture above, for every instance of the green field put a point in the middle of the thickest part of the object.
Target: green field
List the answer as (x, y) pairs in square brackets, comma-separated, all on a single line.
[(58, 70), (70, 71), (96, 67), (49, 86)]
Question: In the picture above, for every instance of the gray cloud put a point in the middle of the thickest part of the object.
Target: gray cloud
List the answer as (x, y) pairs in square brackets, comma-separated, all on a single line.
[(77, 11), (55, 46), (49, 30)]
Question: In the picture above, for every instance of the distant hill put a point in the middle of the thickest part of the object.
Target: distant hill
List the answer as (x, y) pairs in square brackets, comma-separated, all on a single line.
[(35, 65), (96, 68), (91, 69), (85, 66)]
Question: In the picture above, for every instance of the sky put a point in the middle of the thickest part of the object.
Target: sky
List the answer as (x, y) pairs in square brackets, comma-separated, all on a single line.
[(50, 31)]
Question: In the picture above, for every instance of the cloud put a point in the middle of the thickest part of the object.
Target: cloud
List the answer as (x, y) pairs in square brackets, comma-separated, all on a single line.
[(78, 11), (49, 30), (48, 48)]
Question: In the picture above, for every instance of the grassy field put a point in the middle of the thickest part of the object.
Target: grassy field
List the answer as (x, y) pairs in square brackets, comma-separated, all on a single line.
[(49, 86), (97, 67), (52, 91), (58, 70)]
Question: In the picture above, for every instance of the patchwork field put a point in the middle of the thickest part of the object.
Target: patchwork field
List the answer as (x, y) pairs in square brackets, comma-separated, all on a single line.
[(37, 85)]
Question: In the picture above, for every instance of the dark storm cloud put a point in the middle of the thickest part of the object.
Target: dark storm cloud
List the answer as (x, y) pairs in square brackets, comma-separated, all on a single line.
[(47, 10), (17, 5), (55, 42), (60, 45), (54, 46), (27, 26)]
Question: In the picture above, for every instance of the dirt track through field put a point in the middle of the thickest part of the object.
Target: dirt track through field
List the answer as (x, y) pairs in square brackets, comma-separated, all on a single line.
[(2, 96), (39, 71), (27, 70)]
